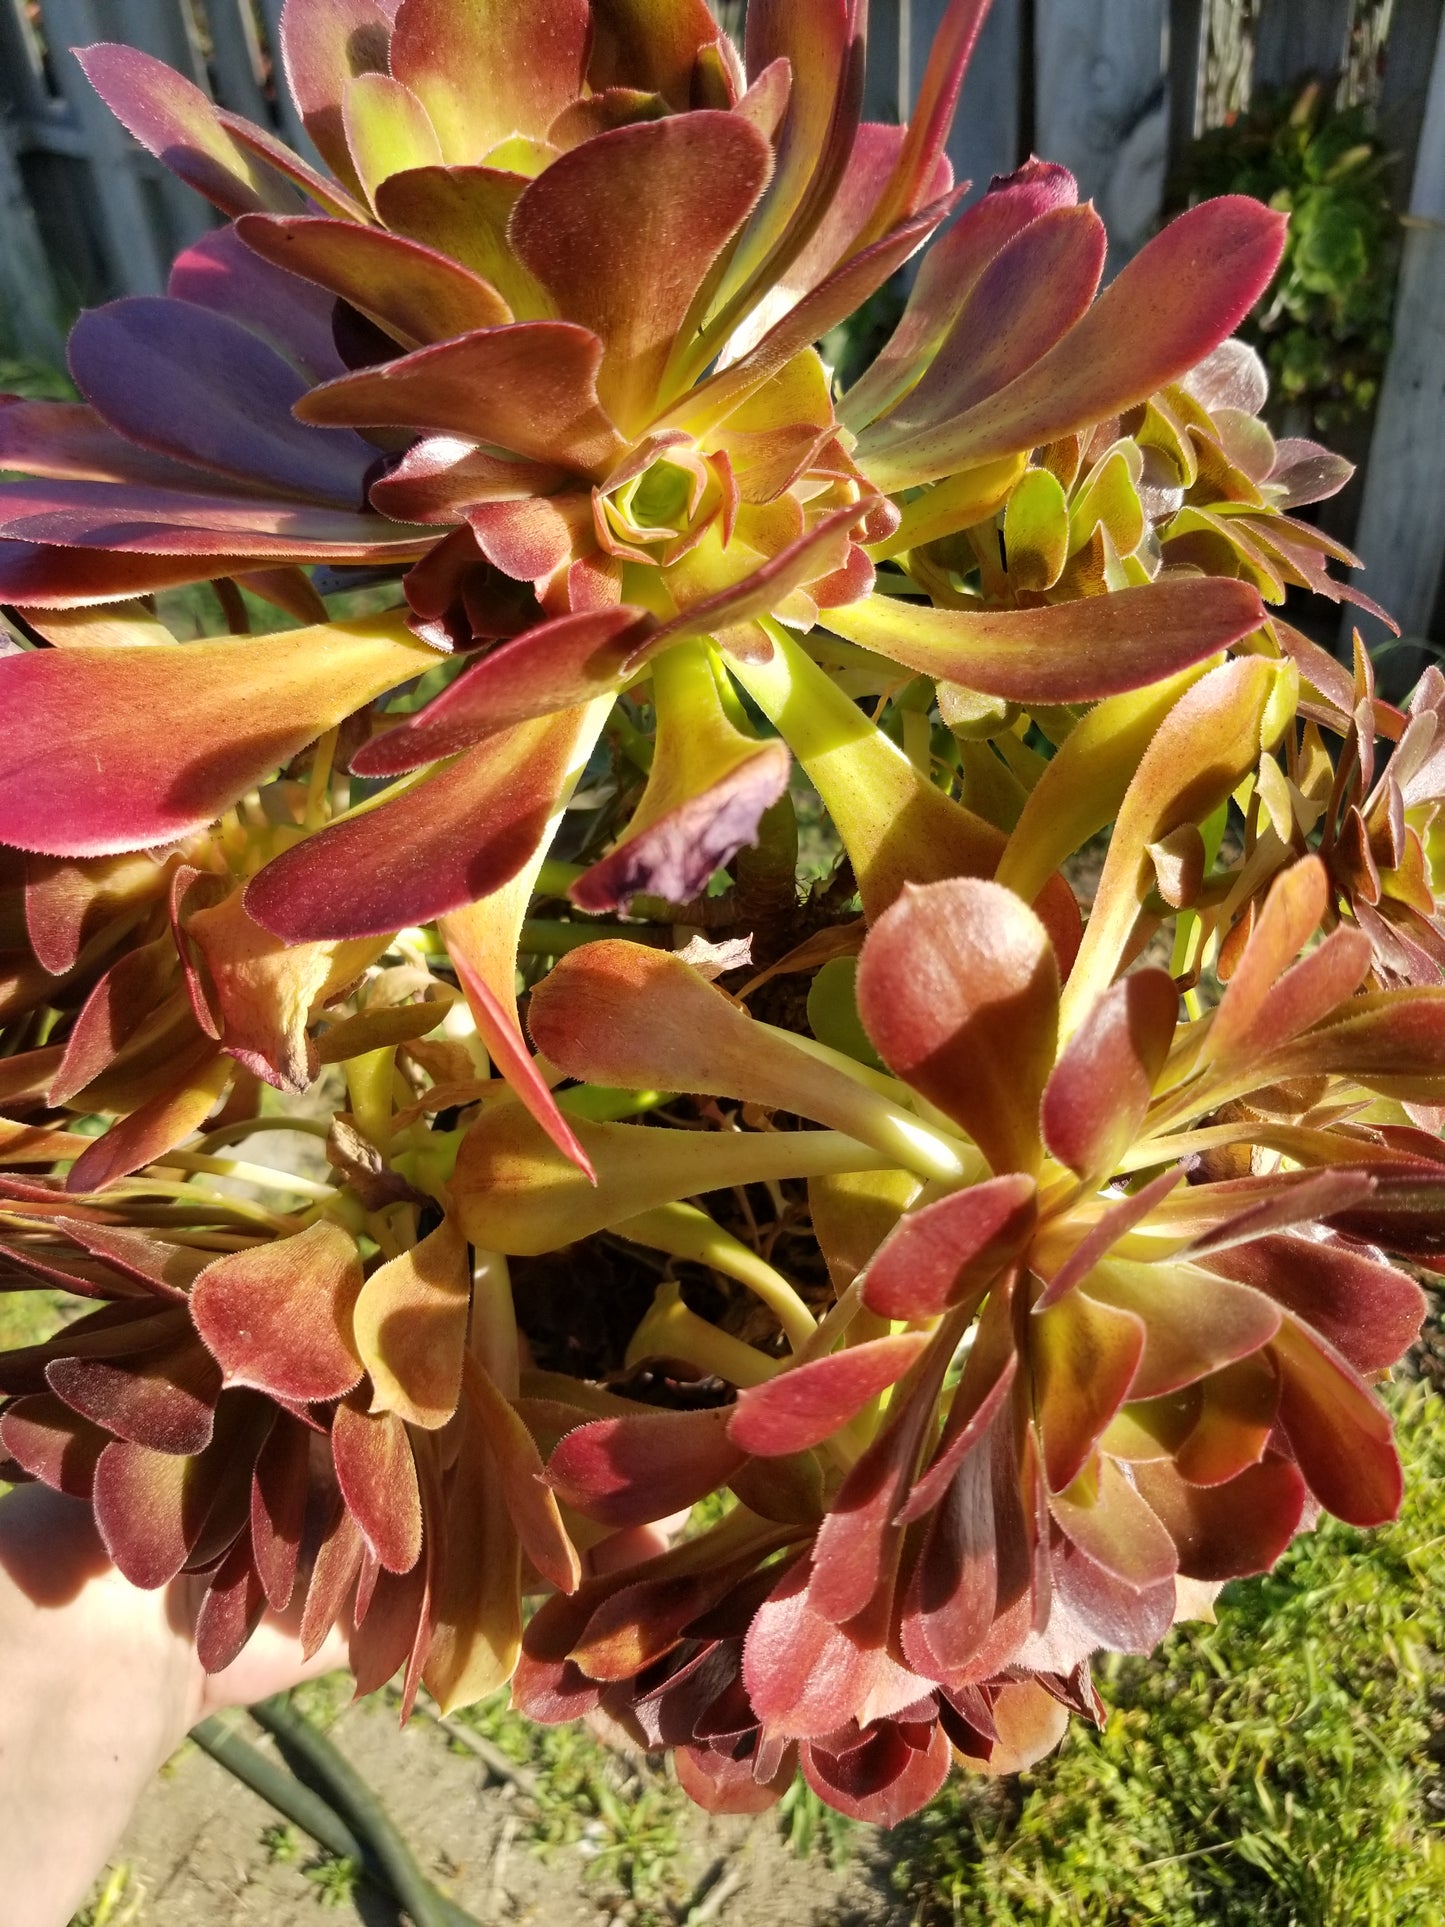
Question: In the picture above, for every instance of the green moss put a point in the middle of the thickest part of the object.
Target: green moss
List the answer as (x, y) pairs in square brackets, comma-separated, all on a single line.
[(1273, 1770)]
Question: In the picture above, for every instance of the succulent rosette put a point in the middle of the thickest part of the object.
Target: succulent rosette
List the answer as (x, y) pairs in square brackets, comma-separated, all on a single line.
[(1056, 1389), (1095, 1205)]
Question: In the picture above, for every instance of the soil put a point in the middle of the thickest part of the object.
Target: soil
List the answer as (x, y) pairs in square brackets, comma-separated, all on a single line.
[(197, 1853)]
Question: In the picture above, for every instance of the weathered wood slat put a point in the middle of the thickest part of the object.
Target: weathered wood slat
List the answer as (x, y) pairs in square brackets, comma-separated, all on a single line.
[(1188, 25), (22, 80), (236, 60), (1401, 536), (1297, 38), (136, 252), (292, 130), (30, 305), (985, 138), (166, 29), (1102, 108)]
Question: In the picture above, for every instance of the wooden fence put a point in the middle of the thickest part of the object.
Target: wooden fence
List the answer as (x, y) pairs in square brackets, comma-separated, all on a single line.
[(1116, 89)]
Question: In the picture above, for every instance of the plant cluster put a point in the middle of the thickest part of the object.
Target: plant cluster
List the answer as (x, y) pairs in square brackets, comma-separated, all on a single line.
[(1048, 1263), (1324, 328)]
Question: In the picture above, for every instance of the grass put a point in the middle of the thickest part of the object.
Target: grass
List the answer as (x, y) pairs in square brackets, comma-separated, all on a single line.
[(624, 1818), (1274, 1770)]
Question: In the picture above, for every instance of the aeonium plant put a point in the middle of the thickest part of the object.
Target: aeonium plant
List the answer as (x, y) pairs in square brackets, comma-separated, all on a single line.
[(1049, 1259)]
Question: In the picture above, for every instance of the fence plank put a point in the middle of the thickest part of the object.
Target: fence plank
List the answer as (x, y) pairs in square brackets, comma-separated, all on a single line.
[(292, 130), (1188, 26), (30, 305), (1102, 108), (236, 59), (135, 248), (1401, 536), (985, 137), (165, 29), (1297, 38)]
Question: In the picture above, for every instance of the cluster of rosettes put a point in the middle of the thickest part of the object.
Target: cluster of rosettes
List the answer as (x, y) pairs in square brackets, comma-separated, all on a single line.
[(1049, 1265)]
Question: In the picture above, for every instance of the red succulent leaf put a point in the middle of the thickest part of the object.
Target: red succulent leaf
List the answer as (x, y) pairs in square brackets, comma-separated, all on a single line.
[(933, 110), (165, 1400), (946, 274), (413, 292), (172, 119), (67, 904), (676, 856), (149, 1509), (1036, 288), (52, 1442), (1194, 282), (794, 566), (1103, 1514), (882, 1781), (553, 666), (157, 1125), (484, 75), (628, 1471), (1337, 1428), (36, 575), (338, 1560), (806, 1676), (231, 1610), (191, 383), (280, 1486), (279, 1316), (1230, 1530), (530, 388), (1266, 1002), (109, 780), (720, 1784), (481, 941), (1192, 1324), (1093, 1606), (112, 1331), (324, 43), (953, 1591), (219, 272), (377, 1475), (1118, 1217), (943, 1252), (1066, 653), (628, 1015), (1101, 1087), (1310, 1195), (1085, 1355), (1370, 1312), (802, 1407), (440, 844), (843, 291), (532, 1506), (958, 988), (123, 1002), (384, 1640), (1236, 1415), (164, 1270), (624, 229), (856, 1552), (635, 1626), (987, 1382)]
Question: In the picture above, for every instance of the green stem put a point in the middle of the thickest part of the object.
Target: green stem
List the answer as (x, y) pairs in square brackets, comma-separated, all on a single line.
[(685, 1232), (551, 937)]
